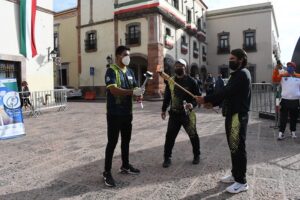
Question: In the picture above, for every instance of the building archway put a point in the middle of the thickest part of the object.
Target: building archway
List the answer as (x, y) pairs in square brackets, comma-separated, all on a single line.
[(139, 66), (169, 65), (194, 70), (203, 72)]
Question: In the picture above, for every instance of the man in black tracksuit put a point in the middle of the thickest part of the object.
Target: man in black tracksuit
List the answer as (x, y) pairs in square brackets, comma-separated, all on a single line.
[(181, 111), (236, 97)]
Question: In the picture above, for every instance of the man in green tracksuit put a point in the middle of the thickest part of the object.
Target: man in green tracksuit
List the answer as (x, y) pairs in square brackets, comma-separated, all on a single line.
[(181, 111), (236, 97)]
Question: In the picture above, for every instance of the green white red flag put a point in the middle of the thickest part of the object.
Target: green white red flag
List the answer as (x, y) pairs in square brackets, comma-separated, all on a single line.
[(27, 28)]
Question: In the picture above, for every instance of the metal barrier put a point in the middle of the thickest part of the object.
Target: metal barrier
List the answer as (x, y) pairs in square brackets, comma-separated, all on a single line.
[(263, 97), (38, 101)]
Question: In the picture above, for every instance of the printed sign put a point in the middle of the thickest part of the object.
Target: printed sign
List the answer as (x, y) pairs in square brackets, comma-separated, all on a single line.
[(92, 71), (11, 118)]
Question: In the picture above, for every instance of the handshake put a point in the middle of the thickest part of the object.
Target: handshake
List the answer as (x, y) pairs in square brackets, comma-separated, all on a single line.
[(138, 91), (200, 100)]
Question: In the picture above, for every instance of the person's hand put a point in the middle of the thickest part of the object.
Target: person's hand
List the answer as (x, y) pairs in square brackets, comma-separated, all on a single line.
[(208, 106), (200, 100), (163, 115), (139, 98), (138, 91), (188, 106)]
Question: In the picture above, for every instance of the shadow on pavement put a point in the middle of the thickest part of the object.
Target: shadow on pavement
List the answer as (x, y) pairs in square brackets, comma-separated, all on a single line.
[(87, 178)]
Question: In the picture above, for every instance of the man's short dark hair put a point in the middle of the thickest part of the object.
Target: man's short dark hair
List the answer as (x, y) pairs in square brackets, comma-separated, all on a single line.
[(121, 49)]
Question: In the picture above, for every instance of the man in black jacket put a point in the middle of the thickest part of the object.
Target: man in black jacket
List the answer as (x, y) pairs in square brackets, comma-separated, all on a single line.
[(236, 97), (181, 112)]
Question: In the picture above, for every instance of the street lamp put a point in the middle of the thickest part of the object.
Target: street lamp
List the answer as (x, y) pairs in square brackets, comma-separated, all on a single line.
[(109, 60), (57, 62)]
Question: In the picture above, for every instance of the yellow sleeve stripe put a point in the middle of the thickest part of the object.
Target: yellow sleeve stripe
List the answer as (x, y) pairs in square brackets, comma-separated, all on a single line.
[(111, 85)]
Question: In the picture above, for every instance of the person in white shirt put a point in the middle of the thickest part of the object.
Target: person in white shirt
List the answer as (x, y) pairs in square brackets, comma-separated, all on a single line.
[(290, 94)]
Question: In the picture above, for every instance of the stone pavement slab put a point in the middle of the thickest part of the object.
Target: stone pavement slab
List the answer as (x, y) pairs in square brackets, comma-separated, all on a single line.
[(62, 157)]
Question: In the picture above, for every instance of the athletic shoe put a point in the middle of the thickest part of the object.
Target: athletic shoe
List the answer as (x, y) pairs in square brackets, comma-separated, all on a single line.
[(227, 179), (237, 188), (196, 160), (108, 179), (280, 136), (293, 134), (129, 170), (167, 162)]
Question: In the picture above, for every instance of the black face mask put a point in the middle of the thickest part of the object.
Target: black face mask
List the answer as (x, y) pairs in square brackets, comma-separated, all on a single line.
[(233, 65), (179, 71)]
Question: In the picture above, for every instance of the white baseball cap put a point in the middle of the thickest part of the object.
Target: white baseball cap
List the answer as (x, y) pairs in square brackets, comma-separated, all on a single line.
[(181, 61)]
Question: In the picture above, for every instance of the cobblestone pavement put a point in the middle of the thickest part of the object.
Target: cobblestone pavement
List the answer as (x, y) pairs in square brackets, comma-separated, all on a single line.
[(62, 157)]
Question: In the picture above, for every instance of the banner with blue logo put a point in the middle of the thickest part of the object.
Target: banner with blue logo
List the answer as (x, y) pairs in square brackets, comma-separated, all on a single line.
[(11, 118)]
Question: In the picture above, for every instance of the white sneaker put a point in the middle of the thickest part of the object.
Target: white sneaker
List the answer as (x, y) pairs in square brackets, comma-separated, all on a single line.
[(237, 188), (227, 179), (293, 134), (280, 136)]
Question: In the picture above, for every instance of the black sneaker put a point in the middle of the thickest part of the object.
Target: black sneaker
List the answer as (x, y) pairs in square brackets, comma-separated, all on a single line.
[(167, 162), (196, 160), (129, 170), (108, 179)]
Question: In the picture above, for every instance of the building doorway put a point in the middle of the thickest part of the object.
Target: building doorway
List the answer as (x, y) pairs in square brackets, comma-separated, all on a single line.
[(11, 69), (62, 78), (169, 65), (203, 73), (139, 67), (194, 70)]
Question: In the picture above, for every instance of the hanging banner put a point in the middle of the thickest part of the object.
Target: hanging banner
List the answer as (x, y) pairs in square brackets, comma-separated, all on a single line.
[(11, 118)]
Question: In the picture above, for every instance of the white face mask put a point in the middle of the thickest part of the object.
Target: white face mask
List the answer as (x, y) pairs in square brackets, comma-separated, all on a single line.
[(126, 60)]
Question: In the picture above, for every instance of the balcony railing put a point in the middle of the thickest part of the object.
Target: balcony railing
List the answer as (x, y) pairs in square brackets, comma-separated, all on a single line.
[(134, 39), (201, 36), (169, 42), (191, 29), (90, 45), (184, 48), (204, 57), (250, 48), (195, 53), (223, 50)]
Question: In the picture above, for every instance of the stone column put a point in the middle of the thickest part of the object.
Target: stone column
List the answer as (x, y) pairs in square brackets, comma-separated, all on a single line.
[(155, 87)]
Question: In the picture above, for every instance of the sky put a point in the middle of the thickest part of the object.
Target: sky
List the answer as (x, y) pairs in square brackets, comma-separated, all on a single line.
[(286, 12), (59, 5)]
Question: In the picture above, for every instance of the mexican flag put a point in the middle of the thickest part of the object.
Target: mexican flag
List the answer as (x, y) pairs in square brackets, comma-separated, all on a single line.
[(27, 28)]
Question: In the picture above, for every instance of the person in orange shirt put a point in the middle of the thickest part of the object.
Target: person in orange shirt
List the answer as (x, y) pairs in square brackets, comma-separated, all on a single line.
[(290, 94)]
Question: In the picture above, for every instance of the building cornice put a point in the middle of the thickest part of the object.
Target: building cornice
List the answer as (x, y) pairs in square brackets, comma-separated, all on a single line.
[(130, 3), (144, 1), (41, 9), (238, 10), (96, 23), (244, 10), (144, 10), (71, 11), (201, 2)]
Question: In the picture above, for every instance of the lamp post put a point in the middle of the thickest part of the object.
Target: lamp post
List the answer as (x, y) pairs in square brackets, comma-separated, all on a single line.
[(57, 62), (109, 60)]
